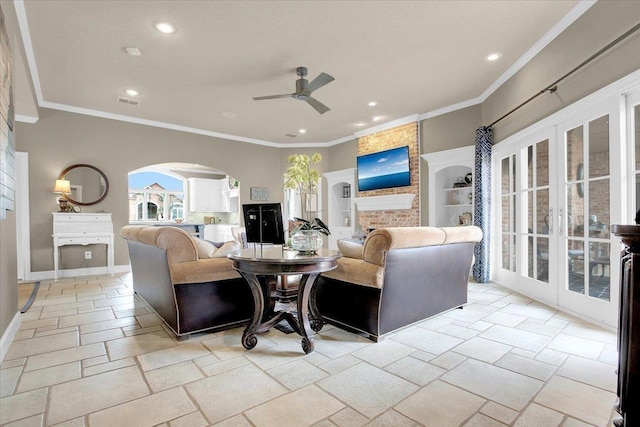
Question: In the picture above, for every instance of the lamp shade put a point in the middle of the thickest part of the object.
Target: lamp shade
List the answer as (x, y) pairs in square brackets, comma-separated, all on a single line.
[(62, 186)]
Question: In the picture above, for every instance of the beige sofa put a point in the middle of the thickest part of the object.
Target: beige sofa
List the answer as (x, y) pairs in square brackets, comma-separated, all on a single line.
[(399, 276), (189, 282)]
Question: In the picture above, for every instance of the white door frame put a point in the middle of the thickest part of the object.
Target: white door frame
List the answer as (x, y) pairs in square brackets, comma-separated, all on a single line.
[(615, 94), (23, 233)]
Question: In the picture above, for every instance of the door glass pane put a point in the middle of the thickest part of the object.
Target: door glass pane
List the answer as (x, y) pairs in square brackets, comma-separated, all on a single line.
[(599, 147), (513, 173), (599, 271), (513, 253), (530, 252), (505, 214), (505, 175), (514, 215), (575, 211), (599, 209), (505, 251), (530, 212), (575, 152), (575, 256), (542, 163), (542, 212), (530, 167), (543, 259)]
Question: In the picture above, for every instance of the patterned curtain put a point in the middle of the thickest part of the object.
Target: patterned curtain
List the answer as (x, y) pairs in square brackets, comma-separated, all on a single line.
[(482, 204)]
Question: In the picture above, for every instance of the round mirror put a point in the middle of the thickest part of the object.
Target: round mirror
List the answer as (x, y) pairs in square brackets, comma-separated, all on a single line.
[(89, 185)]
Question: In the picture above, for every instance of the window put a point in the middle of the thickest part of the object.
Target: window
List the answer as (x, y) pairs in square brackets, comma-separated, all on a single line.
[(155, 196)]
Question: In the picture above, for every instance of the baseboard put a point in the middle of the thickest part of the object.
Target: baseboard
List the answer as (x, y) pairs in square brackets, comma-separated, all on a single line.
[(9, 334), (77, 272)]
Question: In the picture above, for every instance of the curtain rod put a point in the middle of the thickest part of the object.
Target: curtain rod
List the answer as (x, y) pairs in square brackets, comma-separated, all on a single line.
[(554, 86)]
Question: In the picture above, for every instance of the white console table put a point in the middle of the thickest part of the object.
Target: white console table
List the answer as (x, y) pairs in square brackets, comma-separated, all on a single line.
[(82, 229)]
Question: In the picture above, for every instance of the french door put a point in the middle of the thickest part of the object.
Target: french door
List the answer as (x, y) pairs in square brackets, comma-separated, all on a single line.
[(560, 190), (590, 181), (529, 242)]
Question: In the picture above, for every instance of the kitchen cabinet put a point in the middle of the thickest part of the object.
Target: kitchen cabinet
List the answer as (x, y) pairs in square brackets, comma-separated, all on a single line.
[(230, 200), (212, 195)]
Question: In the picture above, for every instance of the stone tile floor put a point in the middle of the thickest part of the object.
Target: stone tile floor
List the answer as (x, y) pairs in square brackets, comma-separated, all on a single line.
[(90, 353)]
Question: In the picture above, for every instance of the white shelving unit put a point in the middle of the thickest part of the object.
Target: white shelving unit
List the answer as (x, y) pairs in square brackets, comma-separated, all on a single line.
[(341, 218), (450, 205)]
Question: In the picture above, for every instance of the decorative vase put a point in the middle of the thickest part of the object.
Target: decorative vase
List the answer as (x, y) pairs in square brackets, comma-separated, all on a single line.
[(307, 241)]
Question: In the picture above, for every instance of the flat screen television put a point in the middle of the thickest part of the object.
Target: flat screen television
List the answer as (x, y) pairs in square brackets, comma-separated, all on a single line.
[(384, 169), (263, 222)]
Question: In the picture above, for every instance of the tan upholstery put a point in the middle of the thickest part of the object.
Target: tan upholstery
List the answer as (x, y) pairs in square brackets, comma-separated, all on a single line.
[(190, 294), (379, 241), (368, 268), (357, 271), (182, 255)]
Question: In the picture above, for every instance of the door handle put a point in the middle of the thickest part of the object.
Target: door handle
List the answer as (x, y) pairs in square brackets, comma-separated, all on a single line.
[(560, 221), (550, 219)]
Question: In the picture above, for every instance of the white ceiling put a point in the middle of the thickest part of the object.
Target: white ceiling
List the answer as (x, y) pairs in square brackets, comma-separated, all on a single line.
[(412, 57)]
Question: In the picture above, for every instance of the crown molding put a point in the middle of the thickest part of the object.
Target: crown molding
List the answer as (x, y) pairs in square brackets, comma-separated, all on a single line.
[(23, 24), (26, 119), (386, 126), (554, 32)]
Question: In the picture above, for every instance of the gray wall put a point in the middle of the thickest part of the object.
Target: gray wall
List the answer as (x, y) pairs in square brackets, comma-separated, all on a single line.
[(8, 255), (444, 132), (600, 25), (60, 139)]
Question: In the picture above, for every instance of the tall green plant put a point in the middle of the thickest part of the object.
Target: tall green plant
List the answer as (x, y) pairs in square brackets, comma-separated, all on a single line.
[(300, 174)]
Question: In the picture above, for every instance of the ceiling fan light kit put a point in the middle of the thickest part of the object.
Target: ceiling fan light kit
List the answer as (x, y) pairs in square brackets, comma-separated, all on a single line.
[(304, 90)]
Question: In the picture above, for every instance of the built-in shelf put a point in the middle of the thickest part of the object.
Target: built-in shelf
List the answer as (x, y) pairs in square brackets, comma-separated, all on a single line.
[(384, 203), (450, 204)]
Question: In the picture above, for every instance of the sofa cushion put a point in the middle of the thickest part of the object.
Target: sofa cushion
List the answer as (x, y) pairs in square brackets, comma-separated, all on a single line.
[(356, 271), (205, 248), (350, 248), (227, 248), (202, 270), (381, 240), (462, 234)]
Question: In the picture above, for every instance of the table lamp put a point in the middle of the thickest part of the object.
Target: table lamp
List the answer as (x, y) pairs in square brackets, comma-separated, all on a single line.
[(63, 187)]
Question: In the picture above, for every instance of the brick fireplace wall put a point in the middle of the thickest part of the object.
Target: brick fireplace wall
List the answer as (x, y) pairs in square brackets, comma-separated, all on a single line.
[(392, 138)]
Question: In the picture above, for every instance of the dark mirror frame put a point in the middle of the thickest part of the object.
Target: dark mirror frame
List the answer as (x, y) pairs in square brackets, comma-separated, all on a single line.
[(106, 184)]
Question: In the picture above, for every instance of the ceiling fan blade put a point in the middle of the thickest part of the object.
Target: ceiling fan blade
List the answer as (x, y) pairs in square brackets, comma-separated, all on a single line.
[(258, 98), (319, 106), (317, 83)]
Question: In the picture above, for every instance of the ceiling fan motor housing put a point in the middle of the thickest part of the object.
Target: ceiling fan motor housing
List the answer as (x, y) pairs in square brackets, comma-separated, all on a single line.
[(301, 85)]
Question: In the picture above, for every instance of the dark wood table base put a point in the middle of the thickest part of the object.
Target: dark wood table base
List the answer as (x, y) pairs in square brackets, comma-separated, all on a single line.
[(265, 317)]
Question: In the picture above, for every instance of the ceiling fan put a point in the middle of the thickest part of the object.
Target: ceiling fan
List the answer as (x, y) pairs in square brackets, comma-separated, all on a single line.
[(304, 90)]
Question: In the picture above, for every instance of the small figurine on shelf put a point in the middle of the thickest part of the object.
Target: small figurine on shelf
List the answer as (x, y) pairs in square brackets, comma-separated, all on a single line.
[(459, 183)]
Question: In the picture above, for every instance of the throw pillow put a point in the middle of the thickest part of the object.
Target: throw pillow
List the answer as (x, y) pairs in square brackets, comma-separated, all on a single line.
[(226, 249), (205, 249), (350, 248)]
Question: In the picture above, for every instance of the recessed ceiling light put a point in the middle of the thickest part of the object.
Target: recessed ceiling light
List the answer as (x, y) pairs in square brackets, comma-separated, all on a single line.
[(165, 27), (493, 56), (376, 118), (373, 104), (132, 92), (133, 51), (360, 124), (228, 115), (302, 130)]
